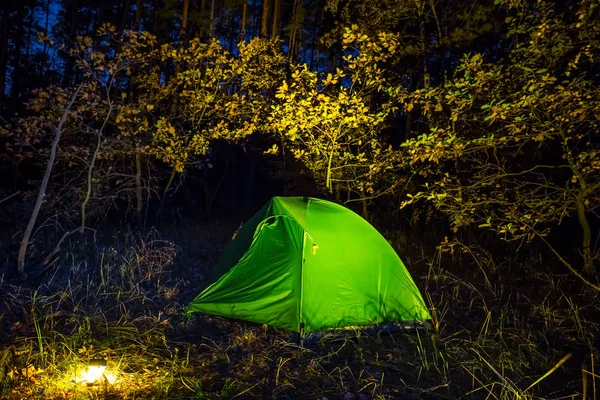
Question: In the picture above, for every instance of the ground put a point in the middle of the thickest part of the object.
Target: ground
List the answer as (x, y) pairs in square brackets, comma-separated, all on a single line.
[(501, 330)]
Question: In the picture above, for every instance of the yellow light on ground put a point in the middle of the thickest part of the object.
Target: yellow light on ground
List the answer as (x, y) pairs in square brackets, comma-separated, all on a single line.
[(96, 373)]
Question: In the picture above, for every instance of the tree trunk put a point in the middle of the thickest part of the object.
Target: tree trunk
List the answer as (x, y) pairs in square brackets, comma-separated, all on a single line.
[(294, 30), (156, 22), (47, 24), (202, 26), (220, 18), (408, 125), (314, 51), (139, 13), (588, 260), (276, 12), (124, 14), (182, 43), (265, 19), (439, 45), (426, 78), (88, 192), (43, 187), (256, 21), (4, 51), (212, 18), (16, 75), (184, 23), (139, 204), (244, 16), (70, 61), (29, 34), (165, 193)]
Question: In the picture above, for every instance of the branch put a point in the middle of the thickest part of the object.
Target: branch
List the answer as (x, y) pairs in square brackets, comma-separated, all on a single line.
[(9, 197), (91, 166), (566, 263)]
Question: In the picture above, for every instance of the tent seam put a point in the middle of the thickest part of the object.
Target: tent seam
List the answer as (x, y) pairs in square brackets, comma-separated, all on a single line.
[(304, 232)]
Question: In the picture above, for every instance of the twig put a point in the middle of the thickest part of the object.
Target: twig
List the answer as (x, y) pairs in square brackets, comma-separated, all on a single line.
[(9, 197), (567, 264)]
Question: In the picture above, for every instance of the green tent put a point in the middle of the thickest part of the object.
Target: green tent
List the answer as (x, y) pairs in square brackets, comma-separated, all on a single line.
[(307, 263)]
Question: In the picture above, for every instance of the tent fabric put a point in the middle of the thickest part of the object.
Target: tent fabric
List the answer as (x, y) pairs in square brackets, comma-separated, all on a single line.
[(308, 263)]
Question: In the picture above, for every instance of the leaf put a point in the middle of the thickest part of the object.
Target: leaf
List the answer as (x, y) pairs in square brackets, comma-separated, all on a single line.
[(273, 150)]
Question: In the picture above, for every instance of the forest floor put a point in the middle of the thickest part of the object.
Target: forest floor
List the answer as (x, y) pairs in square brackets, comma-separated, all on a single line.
[(502, 330)]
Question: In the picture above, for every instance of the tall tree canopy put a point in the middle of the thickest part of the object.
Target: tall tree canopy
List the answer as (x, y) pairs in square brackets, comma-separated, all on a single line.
[(483, 112)]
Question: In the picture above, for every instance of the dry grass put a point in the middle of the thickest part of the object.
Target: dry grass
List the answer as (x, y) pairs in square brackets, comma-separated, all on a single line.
[(500, 333)]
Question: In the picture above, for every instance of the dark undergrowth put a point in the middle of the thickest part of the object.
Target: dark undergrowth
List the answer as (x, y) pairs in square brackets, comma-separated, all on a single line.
[(502, 329)]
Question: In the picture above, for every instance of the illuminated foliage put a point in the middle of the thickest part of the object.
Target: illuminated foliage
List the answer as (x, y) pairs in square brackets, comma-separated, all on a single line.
[(513, 146), (333, 124)]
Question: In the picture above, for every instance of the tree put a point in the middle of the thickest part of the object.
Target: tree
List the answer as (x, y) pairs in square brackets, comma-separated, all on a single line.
[(333, 125), (512, 145), (44, 185)]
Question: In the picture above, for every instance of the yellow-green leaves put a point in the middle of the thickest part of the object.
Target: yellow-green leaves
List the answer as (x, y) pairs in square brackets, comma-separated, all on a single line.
[(512, 143), (333, 124)]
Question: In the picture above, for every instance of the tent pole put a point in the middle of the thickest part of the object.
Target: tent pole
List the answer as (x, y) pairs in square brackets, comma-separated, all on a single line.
[(301, 335)]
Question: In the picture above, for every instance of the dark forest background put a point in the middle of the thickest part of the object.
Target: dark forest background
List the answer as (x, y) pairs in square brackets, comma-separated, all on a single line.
[(467, 116)]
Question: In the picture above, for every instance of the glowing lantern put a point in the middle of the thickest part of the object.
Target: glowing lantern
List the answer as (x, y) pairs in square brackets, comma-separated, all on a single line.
[(94, 371)]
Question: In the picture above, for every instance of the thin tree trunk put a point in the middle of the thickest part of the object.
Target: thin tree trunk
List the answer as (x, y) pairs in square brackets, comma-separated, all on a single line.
[(276, 11), (212, 18), (256, 21), (244, 16), (184, 23), (265, 19), (232, 37), (139, 13), (165, 192), (4, 51), (408, 126), (124, 14), (155, 25), (314, 52), (88, 192), (426, 78), (294, 30), (70, 61), (439, 44), (139, 206), (220, 18), (202, 26), (568, 265), (182, 43), (47, 24), (43, 186), (29, 34), (9, 197), (588, 260)]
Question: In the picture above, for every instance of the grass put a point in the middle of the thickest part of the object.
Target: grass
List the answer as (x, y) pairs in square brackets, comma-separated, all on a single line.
[(501, 330)]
